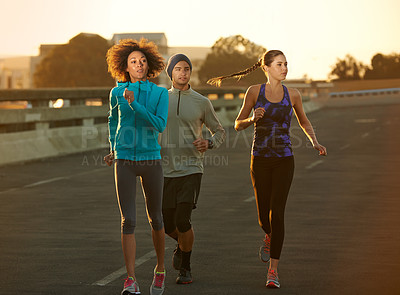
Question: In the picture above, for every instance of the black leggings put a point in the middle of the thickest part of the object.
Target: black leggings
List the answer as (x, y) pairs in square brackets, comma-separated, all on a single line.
[(152, 183), (272, 177)]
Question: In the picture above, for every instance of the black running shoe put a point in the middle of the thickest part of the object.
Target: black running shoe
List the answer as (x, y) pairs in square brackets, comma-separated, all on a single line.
[(184, 277)]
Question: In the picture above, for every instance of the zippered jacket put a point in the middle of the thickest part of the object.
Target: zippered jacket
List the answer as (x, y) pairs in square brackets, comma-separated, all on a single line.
[(134, 127), (188, 112)]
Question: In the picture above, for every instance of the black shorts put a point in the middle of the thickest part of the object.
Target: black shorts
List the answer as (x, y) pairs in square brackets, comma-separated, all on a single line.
[(183, 189)]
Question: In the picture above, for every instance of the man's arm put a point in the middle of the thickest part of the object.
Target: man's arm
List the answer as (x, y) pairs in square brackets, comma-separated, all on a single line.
[(214, 125)]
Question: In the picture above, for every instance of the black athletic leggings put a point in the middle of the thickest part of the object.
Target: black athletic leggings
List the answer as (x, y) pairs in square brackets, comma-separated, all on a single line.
[(152, 183), (272, 177)]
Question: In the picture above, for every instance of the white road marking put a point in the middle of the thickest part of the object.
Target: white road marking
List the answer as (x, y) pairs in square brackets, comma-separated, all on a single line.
[(46, 181), (116, 274), (365, 120), (51, 180), (344, 147), (312, 165), (251, 199)]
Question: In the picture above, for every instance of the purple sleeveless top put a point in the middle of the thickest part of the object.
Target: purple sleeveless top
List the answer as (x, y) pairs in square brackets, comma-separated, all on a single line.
[(271, 132)]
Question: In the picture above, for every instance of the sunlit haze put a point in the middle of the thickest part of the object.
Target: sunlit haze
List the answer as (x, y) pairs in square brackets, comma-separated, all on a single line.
[(312, 34)]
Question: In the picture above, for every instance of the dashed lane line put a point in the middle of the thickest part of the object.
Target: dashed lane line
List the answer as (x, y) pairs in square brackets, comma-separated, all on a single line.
[(45, 181), (251, 199), (313, 164), (50, 180), (344, 147)]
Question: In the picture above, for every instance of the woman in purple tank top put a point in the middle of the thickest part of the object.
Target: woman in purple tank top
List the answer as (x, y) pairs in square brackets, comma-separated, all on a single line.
[(272, 162)]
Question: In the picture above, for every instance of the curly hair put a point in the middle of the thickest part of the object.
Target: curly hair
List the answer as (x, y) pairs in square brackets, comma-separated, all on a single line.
[(267, 58), (117, 58)]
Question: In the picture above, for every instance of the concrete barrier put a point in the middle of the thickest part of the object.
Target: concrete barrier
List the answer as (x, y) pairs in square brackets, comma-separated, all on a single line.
[(38, 131), (29, 134)]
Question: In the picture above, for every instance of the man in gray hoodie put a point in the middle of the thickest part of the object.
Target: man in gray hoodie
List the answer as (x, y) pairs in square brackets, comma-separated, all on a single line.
[(183, 148)]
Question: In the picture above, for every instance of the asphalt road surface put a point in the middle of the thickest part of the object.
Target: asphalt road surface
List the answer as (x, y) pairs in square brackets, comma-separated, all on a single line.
[(60, 231)]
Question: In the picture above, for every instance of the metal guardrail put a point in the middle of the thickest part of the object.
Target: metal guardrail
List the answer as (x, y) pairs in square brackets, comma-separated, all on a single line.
[(383, 91)]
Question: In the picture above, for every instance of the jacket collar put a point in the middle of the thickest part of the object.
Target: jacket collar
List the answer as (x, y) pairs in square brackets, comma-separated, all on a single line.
[(176, 90), (144, 85)]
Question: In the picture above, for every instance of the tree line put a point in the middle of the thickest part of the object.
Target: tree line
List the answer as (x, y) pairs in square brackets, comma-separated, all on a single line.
[(382, 67), (81, 63)]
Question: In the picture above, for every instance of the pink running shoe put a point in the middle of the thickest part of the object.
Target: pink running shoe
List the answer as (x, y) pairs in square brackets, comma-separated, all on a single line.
[(130, 287), (158, 285), (272, 279)]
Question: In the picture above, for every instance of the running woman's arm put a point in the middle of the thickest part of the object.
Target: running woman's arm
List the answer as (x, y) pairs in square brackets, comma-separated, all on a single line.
[(304, 123), (112, 119), (159, 119), (112, 127), (243, 121)]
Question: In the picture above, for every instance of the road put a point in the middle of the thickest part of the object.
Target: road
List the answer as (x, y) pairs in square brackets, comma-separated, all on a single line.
[(59, 220)]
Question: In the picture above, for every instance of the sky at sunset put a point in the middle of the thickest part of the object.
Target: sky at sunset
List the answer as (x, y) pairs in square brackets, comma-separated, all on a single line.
[(312, 34)]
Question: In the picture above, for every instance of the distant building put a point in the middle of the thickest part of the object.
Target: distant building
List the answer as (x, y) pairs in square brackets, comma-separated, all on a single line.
[(15, 72)]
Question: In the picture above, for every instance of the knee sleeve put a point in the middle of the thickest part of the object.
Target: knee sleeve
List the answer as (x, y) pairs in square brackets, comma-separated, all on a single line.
[(169, 220), (183, 225), (183, 216)]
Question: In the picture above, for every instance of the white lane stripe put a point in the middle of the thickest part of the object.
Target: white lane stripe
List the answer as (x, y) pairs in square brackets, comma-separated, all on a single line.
[(116, 274), (312, 165), (9, 191), (51, 180), (46, 181), (365, 120), (345, 147), (252, 198)]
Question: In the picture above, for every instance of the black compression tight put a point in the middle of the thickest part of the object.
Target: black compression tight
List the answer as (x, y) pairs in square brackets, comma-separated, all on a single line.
[(271, 178)]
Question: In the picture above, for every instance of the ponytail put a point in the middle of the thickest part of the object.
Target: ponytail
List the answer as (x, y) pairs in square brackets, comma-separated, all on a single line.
[(239, 75)]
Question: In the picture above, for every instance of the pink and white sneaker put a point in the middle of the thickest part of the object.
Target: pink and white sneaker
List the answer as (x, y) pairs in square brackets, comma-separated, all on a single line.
[(130, 287), (158, 285)]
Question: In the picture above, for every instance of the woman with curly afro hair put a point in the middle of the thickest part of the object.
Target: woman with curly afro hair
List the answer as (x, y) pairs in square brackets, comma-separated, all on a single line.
[(138, 113)]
